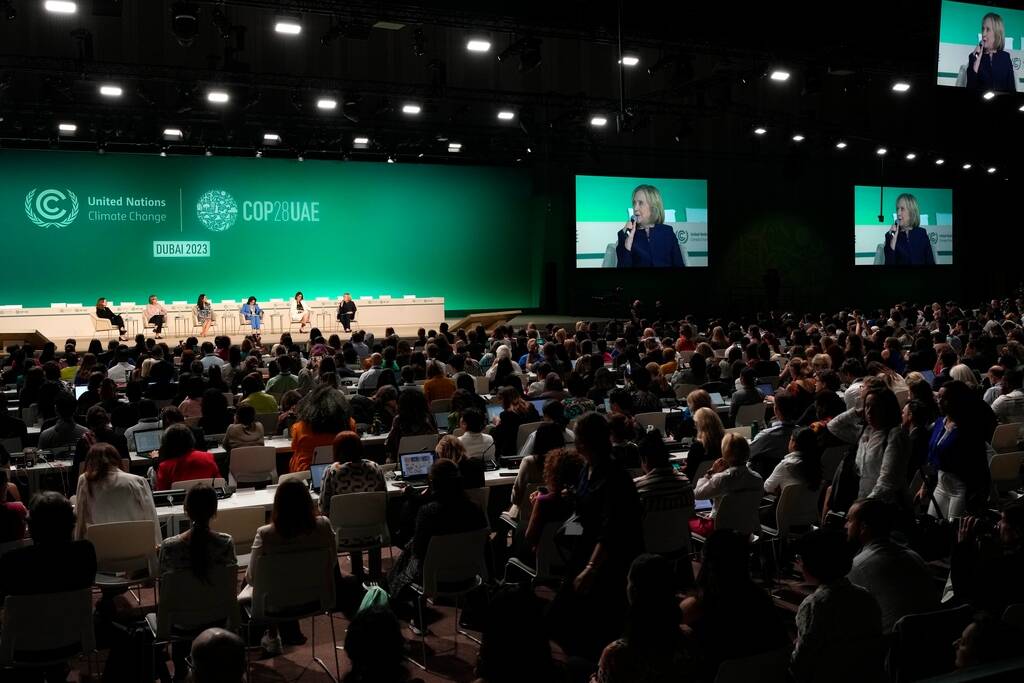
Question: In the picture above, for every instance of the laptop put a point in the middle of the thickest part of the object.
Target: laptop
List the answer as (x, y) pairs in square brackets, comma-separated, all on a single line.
[(493, 411), (716, 399), (928, 375), (415, 467), (316, 476), (765, 389), (701, 505), (80, 390), (539, 404), (147, 440), (442, 420)]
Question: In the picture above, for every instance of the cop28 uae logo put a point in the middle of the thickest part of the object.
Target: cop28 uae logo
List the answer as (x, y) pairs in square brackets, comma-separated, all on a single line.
[(51, 208), (217, 210)]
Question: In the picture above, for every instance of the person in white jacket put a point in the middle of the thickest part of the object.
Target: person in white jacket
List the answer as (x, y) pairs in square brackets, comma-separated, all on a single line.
[(299, 312)]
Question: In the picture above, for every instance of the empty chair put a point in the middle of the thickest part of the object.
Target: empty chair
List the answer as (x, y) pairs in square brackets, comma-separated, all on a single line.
[(1005, 437), (914, 652), (323, 455), (524, 433), (417, 444), (796, 511), (304, 475), (549, 567), (1005, 471), (667, 532), (252, 465), (655, 420), (125, 553), (441, 405), (360, 522), (742, 431), (748, 414), (46, 629), (684, 390), (830, 460), (481, 497), (216, 482), (482, 385), (269, 422)]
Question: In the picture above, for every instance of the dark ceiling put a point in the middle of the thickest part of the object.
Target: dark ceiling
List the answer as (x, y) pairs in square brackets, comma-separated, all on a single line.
[(700, 87)]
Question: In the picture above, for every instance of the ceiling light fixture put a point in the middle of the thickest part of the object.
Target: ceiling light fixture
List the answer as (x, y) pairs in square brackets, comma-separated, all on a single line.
[(478, 45), (900, 86), (988, 95), (506, 115), (67, 127), (780, 75), (598, 121), (881, 151), (840, 145), (760, 130), (111, 90), (289, 26), (798, 138), (217, 97), (910, 156), (326, 103), (60, 7), (411, 109), (629, 60), (173, 133)]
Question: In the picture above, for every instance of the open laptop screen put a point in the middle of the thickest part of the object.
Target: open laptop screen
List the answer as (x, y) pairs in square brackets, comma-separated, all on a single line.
[(416, 465)]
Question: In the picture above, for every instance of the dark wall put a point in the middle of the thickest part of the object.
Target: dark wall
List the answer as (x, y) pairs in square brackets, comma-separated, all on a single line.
[(794, 215)]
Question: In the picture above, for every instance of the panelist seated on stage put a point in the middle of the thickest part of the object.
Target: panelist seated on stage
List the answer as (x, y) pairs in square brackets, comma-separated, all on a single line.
[(103, 311), (155, 314), (299, 311), (346, 311), (645, 241)]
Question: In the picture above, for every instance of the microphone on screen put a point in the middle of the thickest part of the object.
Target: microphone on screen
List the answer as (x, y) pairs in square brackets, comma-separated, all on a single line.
[(635, 220)]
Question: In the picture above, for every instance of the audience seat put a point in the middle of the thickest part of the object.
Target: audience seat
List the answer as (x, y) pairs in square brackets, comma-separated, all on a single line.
[(252, 465), (46, 629), (748, 414), (920, 645), (241, 525)]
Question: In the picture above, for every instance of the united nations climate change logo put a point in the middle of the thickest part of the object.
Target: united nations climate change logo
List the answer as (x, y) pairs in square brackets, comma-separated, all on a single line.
[(51, 208), (683, 236), (933, 237), (217, 210)]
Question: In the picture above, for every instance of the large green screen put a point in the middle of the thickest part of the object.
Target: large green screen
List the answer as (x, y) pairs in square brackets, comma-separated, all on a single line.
[(77, 226)]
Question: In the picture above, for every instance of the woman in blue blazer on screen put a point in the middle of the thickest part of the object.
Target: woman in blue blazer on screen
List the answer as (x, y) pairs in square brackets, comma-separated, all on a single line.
[(645, 241), (989, 66), (907, 243)]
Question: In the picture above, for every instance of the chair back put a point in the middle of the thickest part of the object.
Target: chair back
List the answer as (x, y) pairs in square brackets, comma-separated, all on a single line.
[(742, 431), (524, 433), (190, 605), (323, 455), (241, 525), (229, 397), (830, 459), (252, 464), (269, 422), (1005, 437), (304, 475), (913, 654), (441, 405), (748, 414), (278, 595), (667, 532), (47, 628), (550, 564), (455, 563), (101, 324), (767, 667), (1005, 470), (481, 497), (123, 546), (1014, 615), (797, 507), (12, 445), (358, 516), (652, 419), (739, 510), (702, 468), (187, 484), (684, 390), (482, 385), (30, 415), (416, 444)]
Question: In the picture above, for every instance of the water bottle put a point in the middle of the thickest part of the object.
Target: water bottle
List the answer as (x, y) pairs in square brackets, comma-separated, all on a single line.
[(754, 428)]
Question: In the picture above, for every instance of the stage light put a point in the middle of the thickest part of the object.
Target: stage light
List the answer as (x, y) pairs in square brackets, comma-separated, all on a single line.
[(478, 45), (991, 169), (217, 97), (840, 145), (259, 154), (900, 86), (326, 103), (411, 109), (391, 159), (910, 156), (300, 158), (272, 138), (940, 162), (598, 121), (454, 146), (111, 90), (760, 130), (289, 26), (780, 75), (1021, 108), (506, 115), (67, 128), (988, 95), (163, 151), (881, 151), (798, 138), (966, 167), (60, 7), (185, 22), (208, 152), (362, 140), (629, 60), (173, 133)]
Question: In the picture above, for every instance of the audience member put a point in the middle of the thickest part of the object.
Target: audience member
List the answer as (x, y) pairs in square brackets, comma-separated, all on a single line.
[(730, 477), (106, 493), (181, 461)]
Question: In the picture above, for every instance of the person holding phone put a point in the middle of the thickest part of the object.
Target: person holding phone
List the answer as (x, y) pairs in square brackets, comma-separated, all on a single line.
[(907, 243), (989, 66), (645, 241)]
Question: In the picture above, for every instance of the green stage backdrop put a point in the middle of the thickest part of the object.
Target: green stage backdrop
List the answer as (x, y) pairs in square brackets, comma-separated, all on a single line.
[(960, 31), (77, 226), (936, 207), (604, 204)]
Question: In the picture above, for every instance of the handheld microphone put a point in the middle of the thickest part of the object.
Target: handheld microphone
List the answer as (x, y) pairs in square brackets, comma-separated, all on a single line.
[(635, 220)]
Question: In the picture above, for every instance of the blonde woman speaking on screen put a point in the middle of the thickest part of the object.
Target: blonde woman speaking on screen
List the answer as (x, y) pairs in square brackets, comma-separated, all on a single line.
[(645, 241), (907, 243)]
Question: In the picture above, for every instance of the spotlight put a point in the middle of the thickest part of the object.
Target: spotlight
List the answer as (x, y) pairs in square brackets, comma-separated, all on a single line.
[(411, 109), (881, 151), (172, 134), (326, 103), (60, 7), (67, 128), (629, 60), (798, 138), (900, 86), (966, 167), (185, 22), (506, 115), (289, 26), (111, 90), (840, 145), (780, 75), (760, 130), (598, 121), (478, 45), (217, 97), (940, 162), (988, 95), (910, 156)]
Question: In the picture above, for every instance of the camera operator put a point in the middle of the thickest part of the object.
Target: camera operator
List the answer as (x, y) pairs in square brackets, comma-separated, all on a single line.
[(988, 560)]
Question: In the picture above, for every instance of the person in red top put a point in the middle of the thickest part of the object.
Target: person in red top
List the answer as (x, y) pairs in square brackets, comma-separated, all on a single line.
[(179, 459), (686, 338)]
